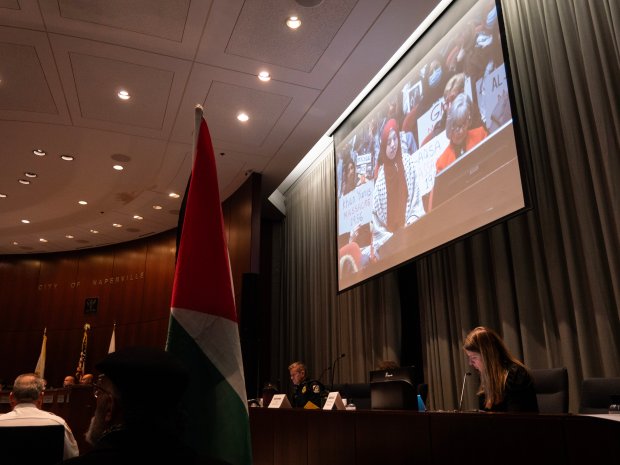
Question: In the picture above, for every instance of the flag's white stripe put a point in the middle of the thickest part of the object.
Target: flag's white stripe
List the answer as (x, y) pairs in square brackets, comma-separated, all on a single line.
[(218, 338)]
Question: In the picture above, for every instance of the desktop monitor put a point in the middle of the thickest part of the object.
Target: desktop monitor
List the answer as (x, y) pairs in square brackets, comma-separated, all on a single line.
[(393, 389)]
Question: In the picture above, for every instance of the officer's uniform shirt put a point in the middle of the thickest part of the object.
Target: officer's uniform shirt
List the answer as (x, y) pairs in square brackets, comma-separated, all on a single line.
[(308, 394)]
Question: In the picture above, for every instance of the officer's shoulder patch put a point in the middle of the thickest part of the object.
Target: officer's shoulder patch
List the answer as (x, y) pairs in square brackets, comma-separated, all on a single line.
[(303, 390)]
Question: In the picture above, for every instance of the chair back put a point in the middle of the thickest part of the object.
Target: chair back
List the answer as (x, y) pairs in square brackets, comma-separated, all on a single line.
[(358, 393), (597, 394), (551, 386), (42, 445)]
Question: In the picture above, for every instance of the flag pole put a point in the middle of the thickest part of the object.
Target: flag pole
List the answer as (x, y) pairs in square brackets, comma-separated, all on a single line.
[(40, 368), (198, 114), (112, 347), (204, 327)]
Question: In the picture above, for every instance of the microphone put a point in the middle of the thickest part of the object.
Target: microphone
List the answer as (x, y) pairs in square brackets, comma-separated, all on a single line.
[(333, 368), (463, 389), (320, 378)]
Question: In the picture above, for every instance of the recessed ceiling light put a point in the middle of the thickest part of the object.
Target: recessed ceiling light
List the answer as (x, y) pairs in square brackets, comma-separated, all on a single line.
[(67, 157), (118, 167), (39, 152), (94, 231), (116, 225), (42, 240), (69, 236), (157, 207), (23, 181), (3, 196), (26, 221), (137, 217), (82, 202), (243, 117), (124, 95), (264, 76), (293, 22), (15, 243), (174, 195), (30, 175)]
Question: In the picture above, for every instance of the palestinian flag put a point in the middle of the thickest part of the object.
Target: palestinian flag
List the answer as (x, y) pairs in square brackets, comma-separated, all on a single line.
[(204, 330)]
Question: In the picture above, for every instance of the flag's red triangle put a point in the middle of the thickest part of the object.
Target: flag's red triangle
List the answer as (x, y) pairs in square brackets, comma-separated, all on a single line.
[(202, 280)]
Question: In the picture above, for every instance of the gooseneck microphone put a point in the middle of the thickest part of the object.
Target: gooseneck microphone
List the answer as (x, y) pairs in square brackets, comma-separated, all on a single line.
[(463, 389), (333, 368)]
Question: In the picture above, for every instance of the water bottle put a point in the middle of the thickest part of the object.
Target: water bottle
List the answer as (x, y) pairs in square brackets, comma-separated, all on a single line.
[(421, 406)]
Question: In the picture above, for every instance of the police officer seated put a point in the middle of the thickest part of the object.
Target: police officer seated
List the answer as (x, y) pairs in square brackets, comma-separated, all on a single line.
[(309, 393)]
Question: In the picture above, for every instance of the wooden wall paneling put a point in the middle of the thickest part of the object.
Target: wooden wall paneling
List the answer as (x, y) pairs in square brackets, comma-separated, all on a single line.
[(545, 441), (19, 292), (18, 296), (147, 333), (382, 437), (330, 439), (290, 434), (141, 312), (56, 290), (126, 286), (95, 275), (238, 226), (261, 427), (159, 272)]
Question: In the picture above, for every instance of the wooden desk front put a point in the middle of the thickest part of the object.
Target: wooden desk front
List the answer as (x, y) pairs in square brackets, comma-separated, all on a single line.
[(372, 437)]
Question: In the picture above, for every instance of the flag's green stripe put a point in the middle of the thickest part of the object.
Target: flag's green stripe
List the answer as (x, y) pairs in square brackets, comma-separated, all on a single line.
[(217, 421)]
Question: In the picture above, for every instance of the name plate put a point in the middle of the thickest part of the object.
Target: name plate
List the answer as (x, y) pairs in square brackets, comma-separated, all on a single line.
[(334, 401), (279, 401)]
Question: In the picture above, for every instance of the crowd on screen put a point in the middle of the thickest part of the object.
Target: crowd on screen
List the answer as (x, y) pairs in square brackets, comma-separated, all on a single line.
[(445, 107)]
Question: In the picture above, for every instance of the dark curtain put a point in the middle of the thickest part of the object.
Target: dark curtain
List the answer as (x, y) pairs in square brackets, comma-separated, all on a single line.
[(547, 280)]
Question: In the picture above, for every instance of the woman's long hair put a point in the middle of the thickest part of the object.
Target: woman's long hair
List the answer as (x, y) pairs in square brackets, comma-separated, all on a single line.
[(395, 182), (496, 359)]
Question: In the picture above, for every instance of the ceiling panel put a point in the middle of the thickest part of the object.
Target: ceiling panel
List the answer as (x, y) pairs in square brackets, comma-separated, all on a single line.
[(62, 61), (30, 89), (225, 101), (98, 81), (92, 73), (168, 27), (163, 19), (24, 87), (298, 49)]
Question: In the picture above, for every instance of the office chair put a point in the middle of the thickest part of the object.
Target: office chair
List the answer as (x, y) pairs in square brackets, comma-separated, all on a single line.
[(33, 444), (597, 394), (551, 385)]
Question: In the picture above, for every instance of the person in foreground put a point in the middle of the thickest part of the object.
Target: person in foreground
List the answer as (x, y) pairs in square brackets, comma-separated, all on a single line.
[(308, 392), (134, 420), (26, 399), (505, 383)]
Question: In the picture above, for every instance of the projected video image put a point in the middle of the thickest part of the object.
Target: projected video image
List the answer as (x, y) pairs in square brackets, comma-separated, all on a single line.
[(434, 159)]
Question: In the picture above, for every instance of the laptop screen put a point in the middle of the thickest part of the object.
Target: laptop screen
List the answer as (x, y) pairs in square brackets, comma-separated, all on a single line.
[(393, 389)]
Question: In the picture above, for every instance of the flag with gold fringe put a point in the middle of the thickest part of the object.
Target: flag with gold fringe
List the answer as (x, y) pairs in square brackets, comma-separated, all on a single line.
[(40, 368), (203, 330), (79, 371)]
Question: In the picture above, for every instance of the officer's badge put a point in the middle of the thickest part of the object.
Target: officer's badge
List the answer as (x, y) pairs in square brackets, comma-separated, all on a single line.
[(303, 390), (316, 389)]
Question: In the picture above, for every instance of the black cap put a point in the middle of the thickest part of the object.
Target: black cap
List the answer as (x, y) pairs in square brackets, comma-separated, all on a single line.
[(139, 372)]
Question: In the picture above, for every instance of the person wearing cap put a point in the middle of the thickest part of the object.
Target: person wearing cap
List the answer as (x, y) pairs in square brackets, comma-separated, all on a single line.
[(134, 420), (26, 399)]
